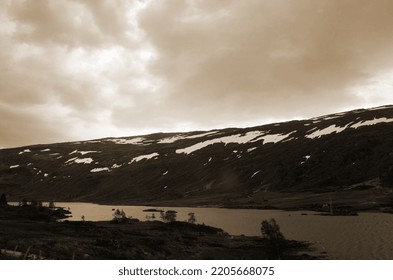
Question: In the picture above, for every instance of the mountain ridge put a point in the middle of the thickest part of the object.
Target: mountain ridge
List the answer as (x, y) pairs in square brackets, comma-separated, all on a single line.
[(294, 164)]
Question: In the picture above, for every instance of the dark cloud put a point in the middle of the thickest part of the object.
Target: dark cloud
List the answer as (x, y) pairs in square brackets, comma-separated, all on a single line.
[(268, 57), (85, 69)]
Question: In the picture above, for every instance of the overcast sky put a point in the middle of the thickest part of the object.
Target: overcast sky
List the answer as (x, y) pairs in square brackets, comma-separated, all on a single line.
[(73, 69)]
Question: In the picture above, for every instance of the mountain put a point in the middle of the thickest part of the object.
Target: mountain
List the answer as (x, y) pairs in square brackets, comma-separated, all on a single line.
[(344, 157)]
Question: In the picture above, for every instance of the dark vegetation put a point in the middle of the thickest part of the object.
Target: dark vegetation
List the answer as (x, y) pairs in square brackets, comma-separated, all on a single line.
[(24, 236)]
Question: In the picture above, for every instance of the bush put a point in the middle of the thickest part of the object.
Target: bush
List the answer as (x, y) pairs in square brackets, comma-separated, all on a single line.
[(275, 246), (271, 230), (169, 216), (191, 218), (119, 216)]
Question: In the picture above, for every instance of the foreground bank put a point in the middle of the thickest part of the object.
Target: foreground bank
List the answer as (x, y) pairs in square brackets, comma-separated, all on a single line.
[(25, 237)]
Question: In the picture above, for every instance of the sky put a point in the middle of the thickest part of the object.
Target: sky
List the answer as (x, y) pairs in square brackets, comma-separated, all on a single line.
[(84, 69)]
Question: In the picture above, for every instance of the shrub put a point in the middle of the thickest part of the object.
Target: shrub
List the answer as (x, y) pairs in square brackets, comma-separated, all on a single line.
[(168, 216), (191, 218), (271, 230), (275, 246), (119, 216)]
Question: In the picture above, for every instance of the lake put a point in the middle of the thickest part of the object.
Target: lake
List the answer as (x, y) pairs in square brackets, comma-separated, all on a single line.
[(367, 236)]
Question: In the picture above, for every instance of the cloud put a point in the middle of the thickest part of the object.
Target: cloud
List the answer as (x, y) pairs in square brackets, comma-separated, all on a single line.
[(87, 69), (270, 58), (72, 23)]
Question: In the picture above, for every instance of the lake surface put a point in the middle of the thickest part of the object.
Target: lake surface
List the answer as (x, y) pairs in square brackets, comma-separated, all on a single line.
[(367, 236)]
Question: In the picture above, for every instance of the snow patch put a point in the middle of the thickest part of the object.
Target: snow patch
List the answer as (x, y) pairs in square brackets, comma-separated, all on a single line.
[(100, 169), (371, 122), (134, 141), (149, 156), (166, 172), (328, 130), (251, 149), (201, 135), (45, 150), (181, 137), (14, 166), (116, 165), (170, 139), (83, 152), (80, 160), (236, 138), (305, 159), (272, 138), (255, 173), (25, 151)]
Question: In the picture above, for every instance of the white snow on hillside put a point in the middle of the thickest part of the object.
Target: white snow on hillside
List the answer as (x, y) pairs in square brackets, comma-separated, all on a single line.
[(338, 129), (328, 130), (80, 160), (14, 166), (100, 169), (371, 122), (181, 137), (251, 149), (149, 156), (331, 117), (115, 165), (25, 151), (272, 138), (170, 139), (305, 159), (134, 141), (251, 136), (201, 135), (255, 173), (83, 152), (45, 150)]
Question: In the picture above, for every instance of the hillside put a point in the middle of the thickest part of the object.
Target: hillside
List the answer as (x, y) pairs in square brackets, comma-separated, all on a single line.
[(346, 157)]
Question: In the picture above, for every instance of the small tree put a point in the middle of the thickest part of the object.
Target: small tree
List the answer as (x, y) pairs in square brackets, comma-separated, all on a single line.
[(52, 204), (271, 231), (119, 216), (191, 218), (169, 216)]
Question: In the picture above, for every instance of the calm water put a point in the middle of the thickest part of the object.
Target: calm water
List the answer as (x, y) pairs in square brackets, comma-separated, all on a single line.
[(367, 236)]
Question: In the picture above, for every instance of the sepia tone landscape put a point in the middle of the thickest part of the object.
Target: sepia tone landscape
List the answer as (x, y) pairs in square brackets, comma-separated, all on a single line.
[(337, 165), (200, 129)]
